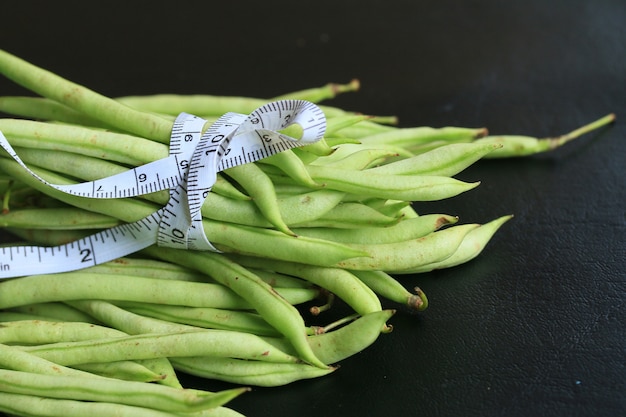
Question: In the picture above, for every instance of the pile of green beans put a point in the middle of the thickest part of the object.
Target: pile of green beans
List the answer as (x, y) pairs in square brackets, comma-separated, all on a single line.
[(297, 232)]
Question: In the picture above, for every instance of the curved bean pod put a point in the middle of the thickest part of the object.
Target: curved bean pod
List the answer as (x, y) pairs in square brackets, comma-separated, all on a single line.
[(289, 163), (401, 256), (256, 373), (447, 160), (260, 187), (387, 286), (340, 282), (337, 345), (471, 246)]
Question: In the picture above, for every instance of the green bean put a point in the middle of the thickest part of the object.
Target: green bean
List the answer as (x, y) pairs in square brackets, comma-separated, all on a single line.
[(47, 237), (407, 255), (395, 187), (41, 331), (148, 268), (108, 390), (260, 187), (447, 160), (514, 146), (289, 163), (111, 146), (414, 136), (340, 282), (365, 128), (279, 280), (350, 215), (249, 372), (339, 123), (55, 310), (34, 406), (9, 316), (123, 370), (205, 342), (12, 357), (337, 345), (272, 307), (209, 318), (471, 246), (44, 109), (387, 286), (199, 104), (356, 159), (65, 218), (83, 285), (84, 100), (315, 95), (389, 208), (126, 321)]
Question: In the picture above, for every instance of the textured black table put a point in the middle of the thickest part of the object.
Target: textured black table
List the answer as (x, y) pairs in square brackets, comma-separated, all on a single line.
[(535, 326)]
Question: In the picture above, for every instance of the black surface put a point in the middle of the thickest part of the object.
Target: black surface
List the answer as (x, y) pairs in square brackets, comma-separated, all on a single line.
[(535, 326)]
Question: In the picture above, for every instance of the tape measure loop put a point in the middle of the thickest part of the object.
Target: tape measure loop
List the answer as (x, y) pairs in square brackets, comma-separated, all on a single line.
[(189, 172)]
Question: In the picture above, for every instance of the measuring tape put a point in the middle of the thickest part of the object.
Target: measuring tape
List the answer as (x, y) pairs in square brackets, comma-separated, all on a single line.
[(189, 172)]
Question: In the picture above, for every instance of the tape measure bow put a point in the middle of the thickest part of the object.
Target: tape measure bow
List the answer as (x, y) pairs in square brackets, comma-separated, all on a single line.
[(189, 172)]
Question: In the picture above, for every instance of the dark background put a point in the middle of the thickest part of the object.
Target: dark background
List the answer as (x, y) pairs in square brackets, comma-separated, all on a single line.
[(534, 326)]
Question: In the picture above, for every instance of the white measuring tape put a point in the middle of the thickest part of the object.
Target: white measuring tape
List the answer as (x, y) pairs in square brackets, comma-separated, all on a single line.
[(189, 172)]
